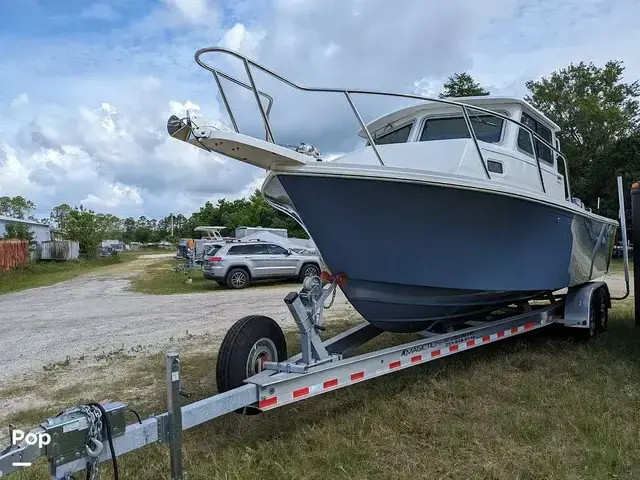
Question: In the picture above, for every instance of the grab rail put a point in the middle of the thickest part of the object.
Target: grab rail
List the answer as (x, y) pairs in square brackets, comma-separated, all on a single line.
[(348, 92), (216, 75)]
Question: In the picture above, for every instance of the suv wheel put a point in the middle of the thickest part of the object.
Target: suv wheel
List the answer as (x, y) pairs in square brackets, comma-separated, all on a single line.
[(237, 278), (309, 270)]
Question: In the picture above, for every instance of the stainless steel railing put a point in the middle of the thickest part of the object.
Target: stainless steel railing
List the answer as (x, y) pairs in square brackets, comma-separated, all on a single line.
[(217, 74), (348, 95)]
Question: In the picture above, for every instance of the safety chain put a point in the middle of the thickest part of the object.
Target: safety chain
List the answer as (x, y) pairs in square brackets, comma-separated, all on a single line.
[(333, 297)]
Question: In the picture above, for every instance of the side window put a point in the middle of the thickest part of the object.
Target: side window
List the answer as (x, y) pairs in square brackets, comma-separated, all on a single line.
[(544, 153), (444, 129), (495, 167), (401, 135), (256, 249), (275, 250), (238, 250)]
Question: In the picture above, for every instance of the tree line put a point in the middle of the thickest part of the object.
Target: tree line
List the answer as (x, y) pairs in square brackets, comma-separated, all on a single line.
[(597, 111), (90, 228)]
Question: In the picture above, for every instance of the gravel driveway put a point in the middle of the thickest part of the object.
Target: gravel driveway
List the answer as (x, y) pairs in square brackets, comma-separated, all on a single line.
[(94, 314)]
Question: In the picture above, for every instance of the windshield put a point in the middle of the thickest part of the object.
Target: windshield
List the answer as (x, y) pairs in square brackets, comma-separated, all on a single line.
[(487, 128)]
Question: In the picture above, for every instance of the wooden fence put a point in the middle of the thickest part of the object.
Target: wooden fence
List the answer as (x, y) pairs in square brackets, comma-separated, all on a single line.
[(13, 252)]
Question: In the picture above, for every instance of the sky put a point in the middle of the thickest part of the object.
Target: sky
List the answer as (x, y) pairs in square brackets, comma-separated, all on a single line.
[(86, 87)]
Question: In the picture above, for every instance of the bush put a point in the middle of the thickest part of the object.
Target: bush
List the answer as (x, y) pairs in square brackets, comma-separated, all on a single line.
[(19, 230)]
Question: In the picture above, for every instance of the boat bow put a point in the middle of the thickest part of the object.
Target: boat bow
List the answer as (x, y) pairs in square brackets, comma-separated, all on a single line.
[(238, 146)]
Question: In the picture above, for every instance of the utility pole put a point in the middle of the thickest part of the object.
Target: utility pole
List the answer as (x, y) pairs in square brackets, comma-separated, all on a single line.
[(172, 224)]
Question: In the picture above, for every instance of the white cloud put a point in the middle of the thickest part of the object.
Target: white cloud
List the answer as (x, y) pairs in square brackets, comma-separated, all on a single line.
[(241, 40), (195, 11), (331, 49), (427, 87), (20, 101), (85, 120), (113, 195)]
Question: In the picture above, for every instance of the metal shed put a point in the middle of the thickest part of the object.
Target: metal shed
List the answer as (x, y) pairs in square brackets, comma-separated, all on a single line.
[(41, 231), (60, 250)]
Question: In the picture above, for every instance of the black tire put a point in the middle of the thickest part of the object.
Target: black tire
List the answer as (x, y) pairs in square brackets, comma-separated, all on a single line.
[(309, 270), (601, 301), (238, 278), (598, 313), (248, 342)]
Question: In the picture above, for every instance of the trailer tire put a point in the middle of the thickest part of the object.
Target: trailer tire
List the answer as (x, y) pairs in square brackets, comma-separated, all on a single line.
[(602, 309), (249, 342), (598, 315)]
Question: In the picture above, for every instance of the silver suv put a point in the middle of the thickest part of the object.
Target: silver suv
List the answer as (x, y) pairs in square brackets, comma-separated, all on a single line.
[(239, 263)]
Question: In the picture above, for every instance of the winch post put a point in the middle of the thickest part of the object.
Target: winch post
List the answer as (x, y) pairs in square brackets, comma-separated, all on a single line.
[(306, 308), (174, 414)]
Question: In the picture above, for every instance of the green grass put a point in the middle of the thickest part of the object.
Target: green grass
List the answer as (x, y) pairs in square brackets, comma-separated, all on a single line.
[(160, 278), (617, 266), (43, 273), (539, 406)]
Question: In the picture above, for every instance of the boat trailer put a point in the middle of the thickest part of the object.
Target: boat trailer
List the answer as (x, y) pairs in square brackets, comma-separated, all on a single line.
[(255, 344), (253, 376)]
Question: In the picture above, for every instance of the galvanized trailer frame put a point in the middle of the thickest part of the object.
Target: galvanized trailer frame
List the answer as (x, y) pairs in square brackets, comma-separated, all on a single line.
[(321, 367)]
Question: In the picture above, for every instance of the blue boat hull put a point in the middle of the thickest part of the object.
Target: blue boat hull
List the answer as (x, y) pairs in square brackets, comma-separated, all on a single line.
[(415, 254)]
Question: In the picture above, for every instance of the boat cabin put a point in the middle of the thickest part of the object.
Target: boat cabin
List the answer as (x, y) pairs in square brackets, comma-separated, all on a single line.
[(434, 136)]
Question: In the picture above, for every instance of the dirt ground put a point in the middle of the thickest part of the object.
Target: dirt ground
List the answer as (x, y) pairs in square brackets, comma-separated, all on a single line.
[(95, 315)]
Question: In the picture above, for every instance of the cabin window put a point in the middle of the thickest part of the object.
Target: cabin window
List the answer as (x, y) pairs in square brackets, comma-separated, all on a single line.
[(401, 135), (495, 167), (524, 139), (487, 128)]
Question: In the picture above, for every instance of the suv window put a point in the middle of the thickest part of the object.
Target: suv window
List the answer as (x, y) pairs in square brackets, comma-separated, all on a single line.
[(524, 139), (213, 249), (248, 249), (276, 250), (238, 250)]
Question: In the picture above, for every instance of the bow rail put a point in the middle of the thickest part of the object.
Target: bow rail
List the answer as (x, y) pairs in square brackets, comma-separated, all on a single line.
[(248, 63)]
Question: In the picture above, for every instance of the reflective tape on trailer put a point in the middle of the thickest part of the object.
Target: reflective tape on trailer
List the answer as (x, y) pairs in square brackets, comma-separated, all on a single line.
[(395, 364)]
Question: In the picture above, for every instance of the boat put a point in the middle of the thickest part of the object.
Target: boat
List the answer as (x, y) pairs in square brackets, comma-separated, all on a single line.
[(451, 208)]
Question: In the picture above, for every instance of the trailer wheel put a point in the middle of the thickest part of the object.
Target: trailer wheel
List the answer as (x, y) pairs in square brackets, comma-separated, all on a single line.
[(598, 315), (249, 343), (602, 309)]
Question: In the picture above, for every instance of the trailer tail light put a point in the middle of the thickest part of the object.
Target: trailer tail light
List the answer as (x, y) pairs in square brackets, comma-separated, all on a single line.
[(213, 260)]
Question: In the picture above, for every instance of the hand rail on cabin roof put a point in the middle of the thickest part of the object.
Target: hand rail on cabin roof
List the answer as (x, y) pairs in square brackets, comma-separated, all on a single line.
[(248, 63)]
